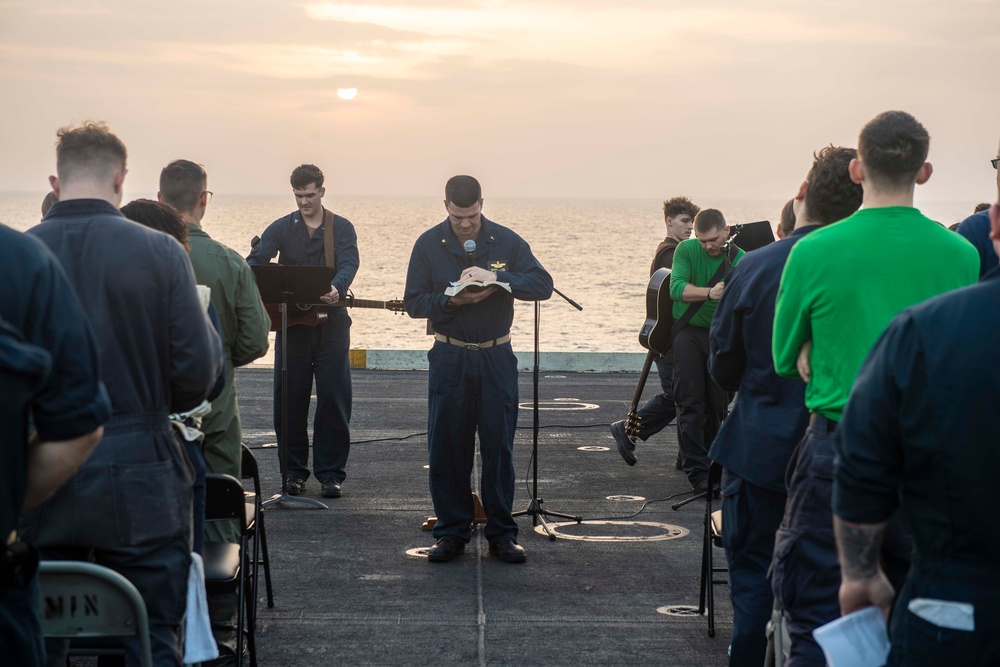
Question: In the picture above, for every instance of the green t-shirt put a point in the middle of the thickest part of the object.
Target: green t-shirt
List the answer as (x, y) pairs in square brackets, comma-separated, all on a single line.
[(843, 284), (693, 266)]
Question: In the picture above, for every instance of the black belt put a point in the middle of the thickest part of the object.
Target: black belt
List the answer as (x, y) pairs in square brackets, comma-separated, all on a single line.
[(821, 424), (475, 347)]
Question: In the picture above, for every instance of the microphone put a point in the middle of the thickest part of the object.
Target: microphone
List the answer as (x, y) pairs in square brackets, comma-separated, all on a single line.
[(470, 252), (254, 242)]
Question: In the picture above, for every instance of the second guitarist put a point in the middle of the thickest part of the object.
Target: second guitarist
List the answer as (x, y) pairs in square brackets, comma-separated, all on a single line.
[(302, 238), (660, 410)]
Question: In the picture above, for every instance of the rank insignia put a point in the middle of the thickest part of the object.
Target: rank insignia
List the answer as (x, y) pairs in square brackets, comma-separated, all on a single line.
[(498, 266)]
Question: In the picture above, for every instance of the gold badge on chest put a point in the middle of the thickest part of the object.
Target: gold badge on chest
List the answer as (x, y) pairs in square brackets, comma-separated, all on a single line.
[(498, 266)]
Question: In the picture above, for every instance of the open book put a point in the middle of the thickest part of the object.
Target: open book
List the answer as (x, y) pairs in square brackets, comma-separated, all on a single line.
[(474, 286)]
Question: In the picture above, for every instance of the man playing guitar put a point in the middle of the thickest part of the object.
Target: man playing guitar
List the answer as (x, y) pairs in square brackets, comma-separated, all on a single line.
[(321, 351)]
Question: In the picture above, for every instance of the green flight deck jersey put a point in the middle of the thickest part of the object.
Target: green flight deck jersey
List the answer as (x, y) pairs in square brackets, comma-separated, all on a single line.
[(844, 283), (694, 266)]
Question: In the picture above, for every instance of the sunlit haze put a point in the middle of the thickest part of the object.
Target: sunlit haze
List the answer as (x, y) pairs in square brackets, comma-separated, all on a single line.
[(537, 98)]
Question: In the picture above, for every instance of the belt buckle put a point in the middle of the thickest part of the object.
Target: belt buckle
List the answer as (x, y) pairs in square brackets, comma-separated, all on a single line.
[(475, 347)]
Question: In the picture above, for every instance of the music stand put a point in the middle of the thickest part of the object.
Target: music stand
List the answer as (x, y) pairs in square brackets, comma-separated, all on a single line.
[(534, 508), (752, 235), (286, 285)]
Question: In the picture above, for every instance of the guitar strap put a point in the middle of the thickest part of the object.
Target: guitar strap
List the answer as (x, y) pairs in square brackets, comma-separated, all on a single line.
[(328, 248), (719, 274)]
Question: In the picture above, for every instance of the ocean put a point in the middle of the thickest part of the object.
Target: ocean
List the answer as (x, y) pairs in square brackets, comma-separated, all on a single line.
[(597, 250)]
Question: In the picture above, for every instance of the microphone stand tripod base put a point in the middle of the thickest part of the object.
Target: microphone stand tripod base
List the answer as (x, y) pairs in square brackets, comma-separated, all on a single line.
[(538, 516)]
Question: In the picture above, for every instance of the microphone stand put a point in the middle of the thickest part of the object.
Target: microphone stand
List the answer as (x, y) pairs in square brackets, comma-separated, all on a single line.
[(534, 508), (284, 497), (285, 285)]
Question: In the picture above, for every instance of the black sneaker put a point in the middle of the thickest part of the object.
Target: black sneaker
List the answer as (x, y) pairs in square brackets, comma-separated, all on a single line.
[(446, 549), (295, 486), (626, 446)]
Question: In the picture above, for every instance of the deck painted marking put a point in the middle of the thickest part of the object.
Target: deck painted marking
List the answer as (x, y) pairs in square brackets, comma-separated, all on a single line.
[(664, 531)]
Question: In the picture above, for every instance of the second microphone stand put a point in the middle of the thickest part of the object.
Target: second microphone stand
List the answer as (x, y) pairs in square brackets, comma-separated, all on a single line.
[(534, 508)]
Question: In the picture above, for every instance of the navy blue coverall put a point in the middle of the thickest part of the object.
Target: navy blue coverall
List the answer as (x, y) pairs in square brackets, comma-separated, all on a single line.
[(129, 505), (472, 388), (323, 351), (48, 364), (920, 432), (756, 441), (976, 230)]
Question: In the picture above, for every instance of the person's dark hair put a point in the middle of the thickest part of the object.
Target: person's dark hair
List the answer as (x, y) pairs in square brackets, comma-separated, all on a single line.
[(463, 191), (709, 219), (786, 223), (181, 184), (51, 198), (91, 150), (831, 194), (158, 216), (954, 227), (893, 146), (306, 174), (677, 206), (981, 207)]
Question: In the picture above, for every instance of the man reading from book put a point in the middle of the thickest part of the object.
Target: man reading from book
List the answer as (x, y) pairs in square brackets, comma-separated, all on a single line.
[(473, 371)]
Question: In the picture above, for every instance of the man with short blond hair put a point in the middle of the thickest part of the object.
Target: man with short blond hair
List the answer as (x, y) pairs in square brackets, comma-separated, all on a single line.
[(159, 355)]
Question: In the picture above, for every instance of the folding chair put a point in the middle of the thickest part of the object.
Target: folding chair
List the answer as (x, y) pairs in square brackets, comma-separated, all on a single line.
[(255, 523), (712, 537), (227, 566), (87, 601)]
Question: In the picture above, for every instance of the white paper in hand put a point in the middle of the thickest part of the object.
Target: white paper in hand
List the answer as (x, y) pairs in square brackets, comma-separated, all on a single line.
[(856, 640)]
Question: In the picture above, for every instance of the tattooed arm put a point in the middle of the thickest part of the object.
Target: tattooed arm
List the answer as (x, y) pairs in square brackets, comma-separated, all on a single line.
[(863, 582)]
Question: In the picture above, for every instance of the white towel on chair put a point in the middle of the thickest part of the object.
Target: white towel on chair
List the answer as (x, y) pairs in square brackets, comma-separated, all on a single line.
[(199, 644)]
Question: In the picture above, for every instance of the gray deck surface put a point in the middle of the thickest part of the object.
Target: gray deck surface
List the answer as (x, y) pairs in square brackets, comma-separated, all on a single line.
[(346, 592)]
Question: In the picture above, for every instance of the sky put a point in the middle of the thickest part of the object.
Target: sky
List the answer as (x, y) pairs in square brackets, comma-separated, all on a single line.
[(537, 98)]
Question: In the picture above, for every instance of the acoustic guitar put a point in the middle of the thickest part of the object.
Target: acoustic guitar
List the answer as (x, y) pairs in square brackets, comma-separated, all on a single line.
[(656, 331), (655, 336), (313, 315)]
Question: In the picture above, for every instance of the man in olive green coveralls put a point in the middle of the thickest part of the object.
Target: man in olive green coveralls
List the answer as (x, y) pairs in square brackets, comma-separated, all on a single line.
[(245, 325)]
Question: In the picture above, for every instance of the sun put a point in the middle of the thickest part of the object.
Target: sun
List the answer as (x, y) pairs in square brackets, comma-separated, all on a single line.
[(347, 93)]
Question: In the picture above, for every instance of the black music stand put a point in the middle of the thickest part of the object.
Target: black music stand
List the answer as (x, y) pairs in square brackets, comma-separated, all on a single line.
[(287, 285), (534, 508), (751, 235)]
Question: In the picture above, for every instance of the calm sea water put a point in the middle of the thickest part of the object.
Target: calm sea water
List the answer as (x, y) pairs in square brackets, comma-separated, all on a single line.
[(597, 250)]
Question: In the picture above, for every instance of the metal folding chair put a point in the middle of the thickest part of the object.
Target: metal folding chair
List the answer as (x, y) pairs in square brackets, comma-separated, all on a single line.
[(712, 538), (255, 529), (227, 566), (87, 601)]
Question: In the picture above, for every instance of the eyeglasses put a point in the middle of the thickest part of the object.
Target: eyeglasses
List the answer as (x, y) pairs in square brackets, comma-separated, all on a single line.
[(209, 193), (994, 162)]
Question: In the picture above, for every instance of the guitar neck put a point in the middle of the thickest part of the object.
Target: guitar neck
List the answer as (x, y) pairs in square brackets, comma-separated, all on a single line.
[(632, 422), (364, 303)]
